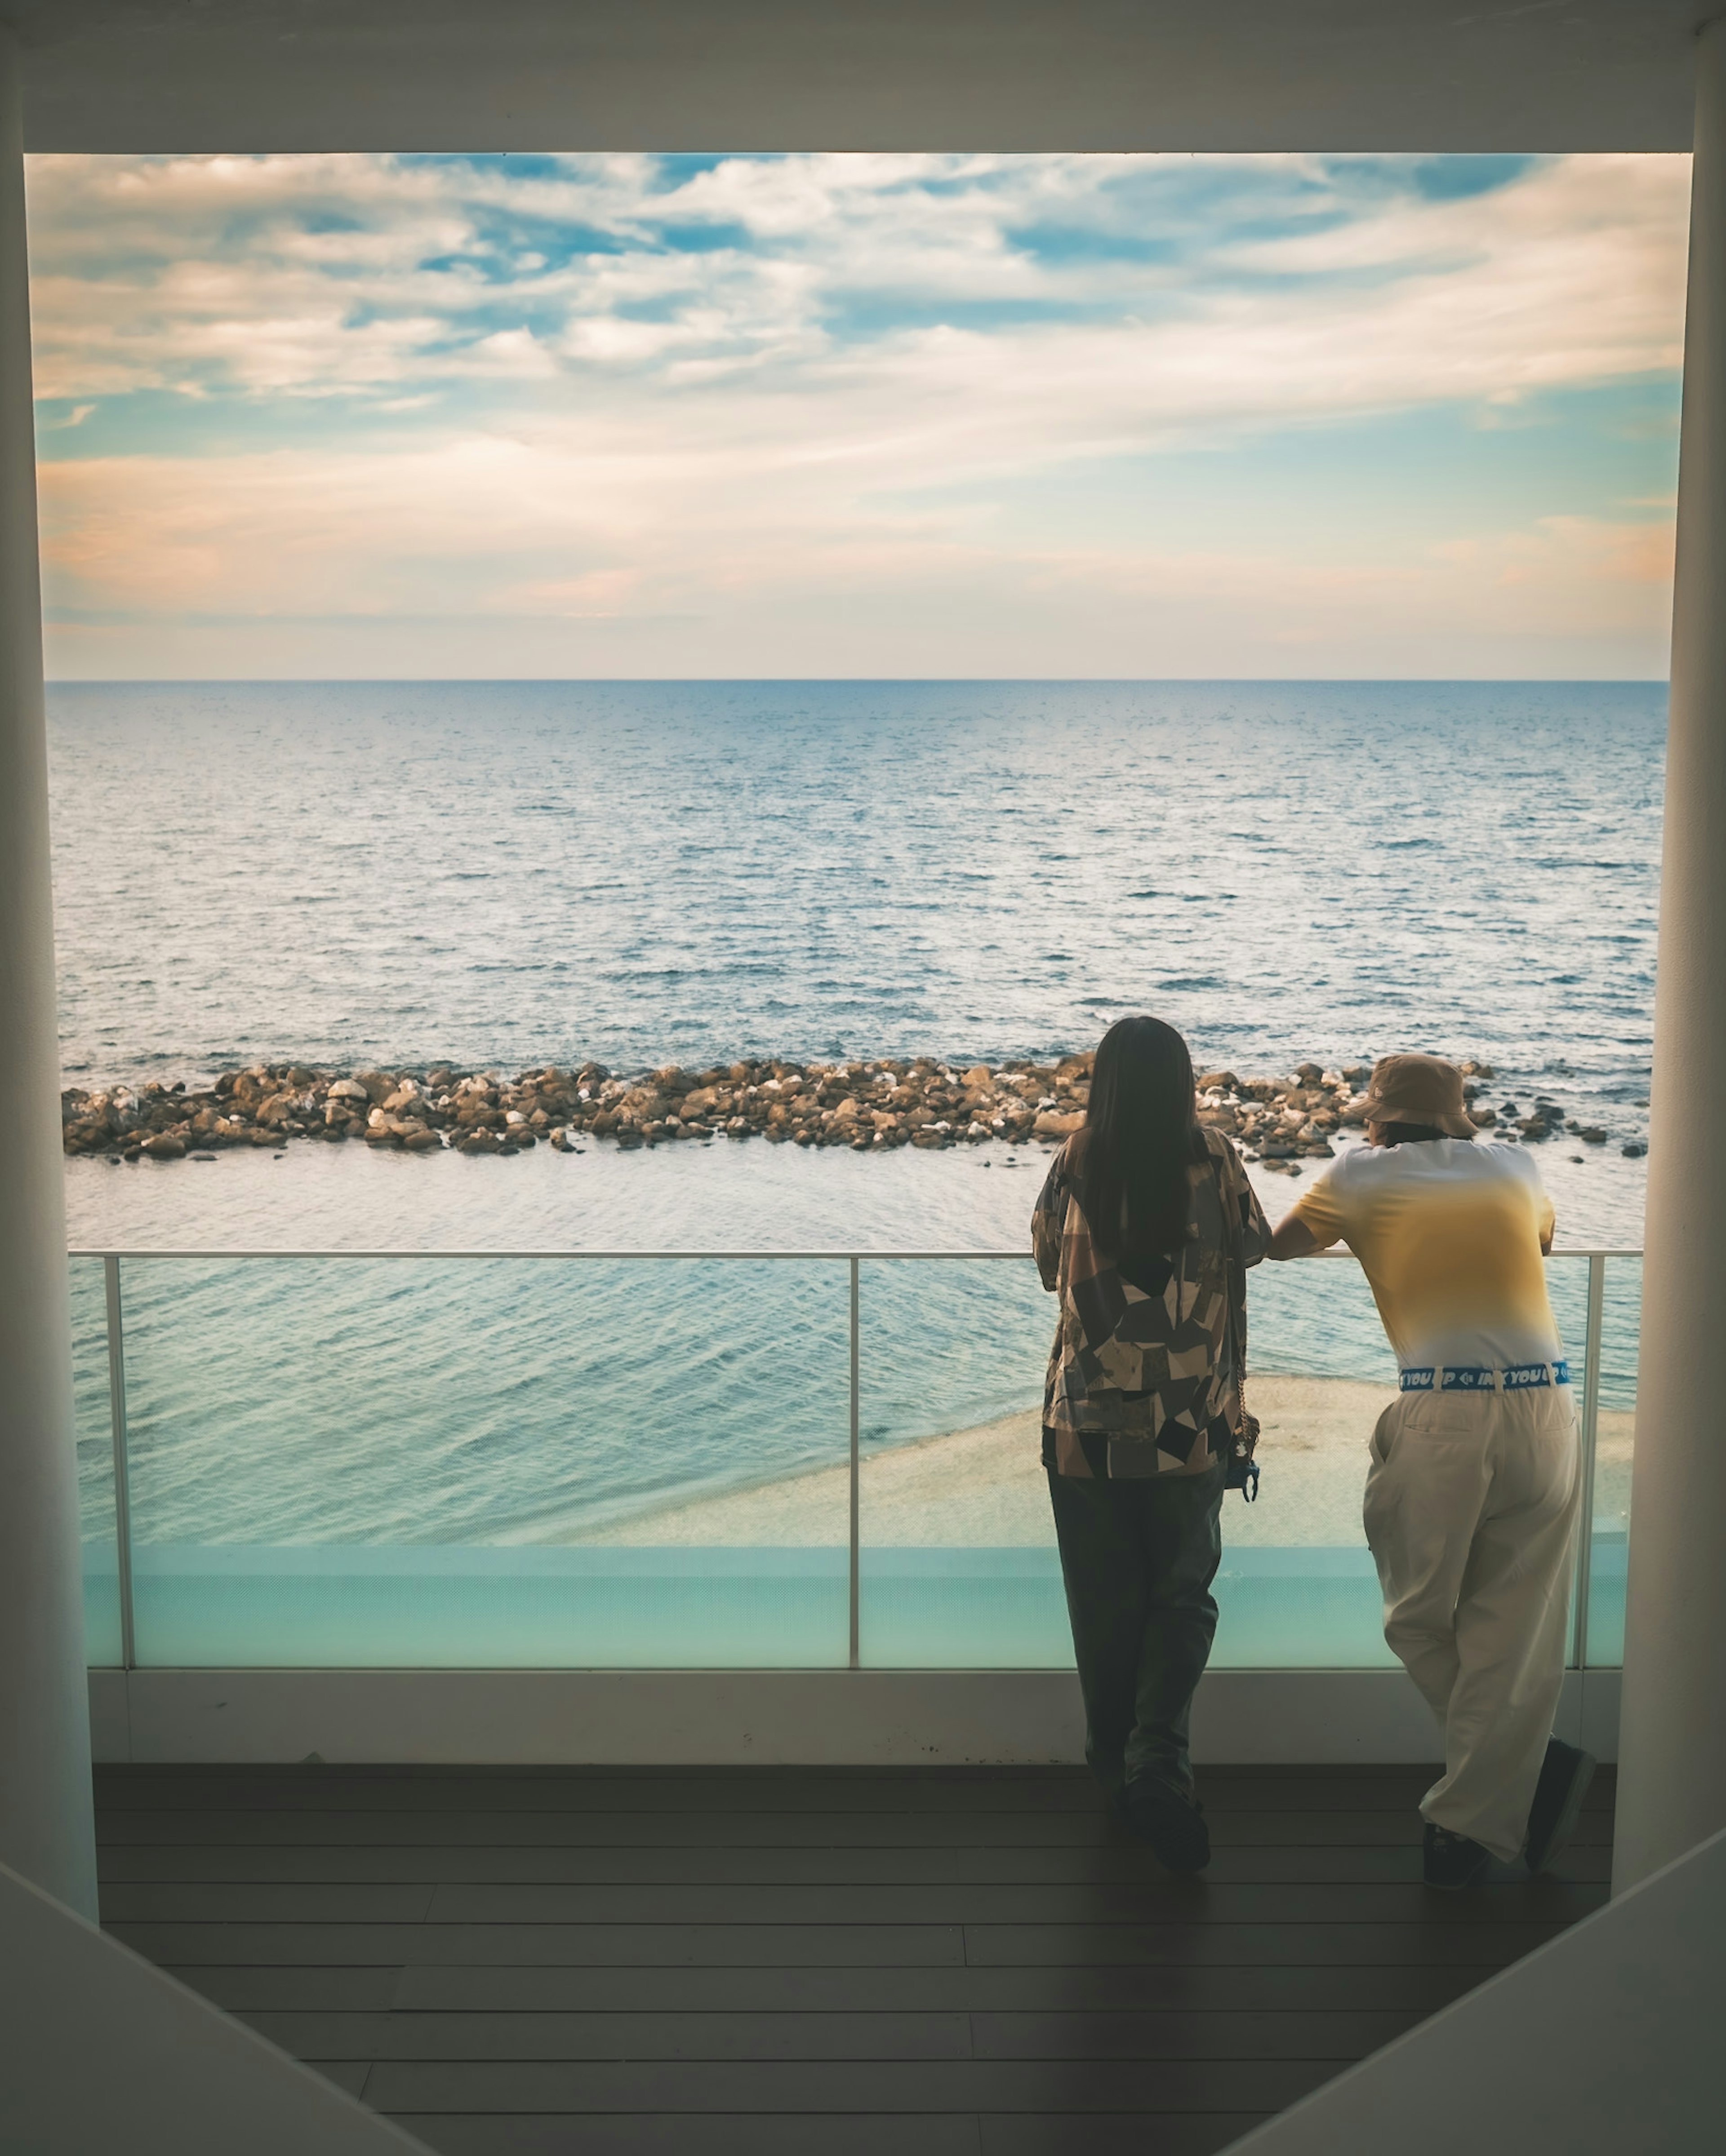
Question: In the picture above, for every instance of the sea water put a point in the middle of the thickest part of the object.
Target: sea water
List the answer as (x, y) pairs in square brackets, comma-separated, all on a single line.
[(507, 875)]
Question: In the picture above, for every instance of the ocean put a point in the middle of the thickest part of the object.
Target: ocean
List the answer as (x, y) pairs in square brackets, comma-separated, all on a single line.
[(525, 872), (511, 874)]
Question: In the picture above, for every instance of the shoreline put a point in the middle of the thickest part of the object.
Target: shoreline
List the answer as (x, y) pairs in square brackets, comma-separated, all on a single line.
[(984, 1487)]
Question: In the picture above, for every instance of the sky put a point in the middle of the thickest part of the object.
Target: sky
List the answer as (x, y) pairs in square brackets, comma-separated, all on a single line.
[(857, 416)]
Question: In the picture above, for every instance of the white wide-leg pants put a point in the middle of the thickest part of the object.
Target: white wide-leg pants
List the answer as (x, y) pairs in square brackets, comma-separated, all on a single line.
[(1470, 1512)]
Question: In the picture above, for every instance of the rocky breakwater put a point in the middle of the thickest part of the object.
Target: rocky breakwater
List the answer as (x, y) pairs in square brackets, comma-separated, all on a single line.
[(873, 1106), (863, 1105)]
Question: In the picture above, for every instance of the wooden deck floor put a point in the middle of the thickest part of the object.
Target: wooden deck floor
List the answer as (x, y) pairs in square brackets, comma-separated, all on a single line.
[(920, 1963)]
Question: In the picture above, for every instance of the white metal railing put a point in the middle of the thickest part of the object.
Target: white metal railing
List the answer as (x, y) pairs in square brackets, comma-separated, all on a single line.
[(1589, 1405)]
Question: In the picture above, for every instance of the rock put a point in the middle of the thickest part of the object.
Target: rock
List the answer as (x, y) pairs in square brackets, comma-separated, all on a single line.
[(1219, 1081), (424, 1141), (1053, 1124), (163, 1145), (979, 1075), (1594, 1135), (377, 1085), (1308, 1074), (1634, 1150), (482, 1142), (347, 1088)]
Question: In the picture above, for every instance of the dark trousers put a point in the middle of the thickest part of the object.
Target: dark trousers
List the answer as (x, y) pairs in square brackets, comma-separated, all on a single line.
[(1137, 1558)]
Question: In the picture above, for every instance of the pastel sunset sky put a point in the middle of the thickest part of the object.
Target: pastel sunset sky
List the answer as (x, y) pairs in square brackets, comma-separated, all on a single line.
[(855, 415)]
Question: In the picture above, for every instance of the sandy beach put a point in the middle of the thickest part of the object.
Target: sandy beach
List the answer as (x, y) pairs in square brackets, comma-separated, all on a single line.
[(984, 1487)]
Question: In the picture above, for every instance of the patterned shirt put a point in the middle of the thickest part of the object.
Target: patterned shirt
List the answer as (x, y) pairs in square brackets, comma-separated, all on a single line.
[(1140, 1361)]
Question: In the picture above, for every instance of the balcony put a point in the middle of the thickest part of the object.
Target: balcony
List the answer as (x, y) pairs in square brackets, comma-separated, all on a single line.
[(535, 1554)]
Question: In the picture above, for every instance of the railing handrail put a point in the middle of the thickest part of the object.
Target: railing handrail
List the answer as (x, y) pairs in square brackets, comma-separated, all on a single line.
[(833, 1257)]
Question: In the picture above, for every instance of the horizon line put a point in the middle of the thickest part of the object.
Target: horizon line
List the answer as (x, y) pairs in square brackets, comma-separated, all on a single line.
[(833, 680)]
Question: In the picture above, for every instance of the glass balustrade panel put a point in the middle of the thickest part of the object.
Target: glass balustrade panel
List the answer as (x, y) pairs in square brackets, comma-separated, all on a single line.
[(1297, 1587), (1614, 1443), (958, 1564), (488, 1462), (957, 1567), (93, 1424)]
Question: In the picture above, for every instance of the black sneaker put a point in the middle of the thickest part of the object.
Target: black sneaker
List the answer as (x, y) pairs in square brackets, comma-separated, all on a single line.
[(1451, 1861), (1172, 1822), (1565, 1773)]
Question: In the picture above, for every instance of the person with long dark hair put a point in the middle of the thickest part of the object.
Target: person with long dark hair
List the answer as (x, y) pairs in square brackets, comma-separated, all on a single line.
[(1144, 1228)]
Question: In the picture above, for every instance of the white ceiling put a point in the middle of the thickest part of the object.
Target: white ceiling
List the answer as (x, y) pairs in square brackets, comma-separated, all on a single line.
[(797, 75)]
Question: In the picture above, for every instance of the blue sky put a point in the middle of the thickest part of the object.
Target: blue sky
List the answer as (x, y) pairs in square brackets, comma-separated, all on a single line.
[(857, 415)]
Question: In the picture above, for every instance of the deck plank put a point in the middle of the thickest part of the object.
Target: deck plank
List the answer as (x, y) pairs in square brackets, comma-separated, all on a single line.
[(723, 2035), (978, 1990), (1117, 1862), (763, 1791), (1074, 2086), (648, 2134), (920, 1962)]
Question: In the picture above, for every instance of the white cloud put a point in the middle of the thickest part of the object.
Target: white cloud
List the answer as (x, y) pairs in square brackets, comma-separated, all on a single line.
[(780, 392)]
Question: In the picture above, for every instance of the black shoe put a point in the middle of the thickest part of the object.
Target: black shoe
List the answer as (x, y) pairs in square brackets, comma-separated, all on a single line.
[(1172, 1822), (1565, 1773), (1451, 1861)]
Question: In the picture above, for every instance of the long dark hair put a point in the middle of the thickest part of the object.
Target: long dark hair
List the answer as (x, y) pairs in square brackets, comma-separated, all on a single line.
[(1140, 1141)]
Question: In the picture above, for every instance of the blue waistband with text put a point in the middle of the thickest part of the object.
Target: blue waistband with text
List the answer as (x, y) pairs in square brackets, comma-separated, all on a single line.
[(1482, 1377)]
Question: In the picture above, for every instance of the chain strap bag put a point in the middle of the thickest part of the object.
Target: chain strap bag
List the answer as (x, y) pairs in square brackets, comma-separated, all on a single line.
[(1243, 1470)]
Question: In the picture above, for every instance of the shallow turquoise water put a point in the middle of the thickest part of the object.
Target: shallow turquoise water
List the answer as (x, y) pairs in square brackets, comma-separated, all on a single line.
[(339, 1607)]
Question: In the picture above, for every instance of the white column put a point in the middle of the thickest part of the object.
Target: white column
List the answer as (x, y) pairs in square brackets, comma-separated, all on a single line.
[(1673, 1740), (46, 1830)]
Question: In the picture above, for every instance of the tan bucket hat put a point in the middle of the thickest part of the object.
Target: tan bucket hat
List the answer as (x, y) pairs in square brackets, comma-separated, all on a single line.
[(1418, 1089)]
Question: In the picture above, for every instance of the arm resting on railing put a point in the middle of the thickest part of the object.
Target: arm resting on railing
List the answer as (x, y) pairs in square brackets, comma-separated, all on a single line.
[(1292, 1238)]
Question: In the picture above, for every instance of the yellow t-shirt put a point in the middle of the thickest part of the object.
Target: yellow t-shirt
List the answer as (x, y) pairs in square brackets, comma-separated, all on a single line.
[(1448, 1232)]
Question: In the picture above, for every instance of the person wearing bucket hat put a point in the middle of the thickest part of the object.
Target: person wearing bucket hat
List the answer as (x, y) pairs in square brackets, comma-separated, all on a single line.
[(1473, 1480)]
